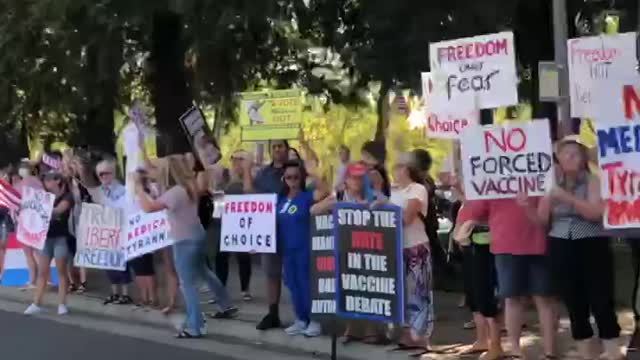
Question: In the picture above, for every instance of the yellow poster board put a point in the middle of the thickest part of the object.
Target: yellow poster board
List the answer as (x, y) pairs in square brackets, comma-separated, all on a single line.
[(270, 115)]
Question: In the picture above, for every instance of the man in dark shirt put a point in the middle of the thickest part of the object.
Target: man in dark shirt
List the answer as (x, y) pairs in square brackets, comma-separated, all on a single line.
[(269, 180)]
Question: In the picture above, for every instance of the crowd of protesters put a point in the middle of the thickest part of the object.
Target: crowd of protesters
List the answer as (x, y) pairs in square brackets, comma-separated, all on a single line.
[(514, 250)]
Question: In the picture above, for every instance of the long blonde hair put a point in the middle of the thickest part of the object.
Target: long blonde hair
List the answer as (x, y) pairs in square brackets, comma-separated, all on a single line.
[(181, 174)]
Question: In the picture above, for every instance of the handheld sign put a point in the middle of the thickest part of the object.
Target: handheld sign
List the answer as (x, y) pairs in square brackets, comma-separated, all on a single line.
[(498, 162), (474, 73), (369, 271), (270, 115), (100, 239), (202, 142), (36, 208), (619, 161), (323, 269), (146, 233), (249, 223), (447, 125)]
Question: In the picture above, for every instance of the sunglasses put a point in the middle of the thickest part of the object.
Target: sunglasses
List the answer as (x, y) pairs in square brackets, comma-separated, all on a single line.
[(103, 174)]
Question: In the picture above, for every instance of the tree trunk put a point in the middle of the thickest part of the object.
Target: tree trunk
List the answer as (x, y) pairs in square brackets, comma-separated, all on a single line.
[(383, 110), (171, 96)]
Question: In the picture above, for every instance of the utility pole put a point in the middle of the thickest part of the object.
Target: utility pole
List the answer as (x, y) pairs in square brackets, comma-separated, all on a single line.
[(560, 37)]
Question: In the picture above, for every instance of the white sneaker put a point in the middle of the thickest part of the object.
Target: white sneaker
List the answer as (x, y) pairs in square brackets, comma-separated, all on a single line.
[(204, 330), (297, 328), (313, 329), (62, 309), (33, 309)]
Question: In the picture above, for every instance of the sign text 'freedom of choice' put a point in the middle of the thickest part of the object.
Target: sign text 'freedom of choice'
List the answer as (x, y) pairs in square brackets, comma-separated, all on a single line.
[(499, 162), (249, 223), (369, 263)]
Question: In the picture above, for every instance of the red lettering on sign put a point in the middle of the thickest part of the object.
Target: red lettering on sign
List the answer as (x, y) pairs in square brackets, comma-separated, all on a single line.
[(631, 101), (367, 240), (514, 140), (326, 263)]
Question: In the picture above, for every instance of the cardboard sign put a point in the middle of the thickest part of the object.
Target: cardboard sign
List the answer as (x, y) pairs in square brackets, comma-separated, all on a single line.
[(498, 162), (445, 125), (34, 217), (272, 115), (619, 161), (473, 73), (100, 238), (146, 233), (249, 223), (599, 66), (370, 273), (202, 142), (323, 268)]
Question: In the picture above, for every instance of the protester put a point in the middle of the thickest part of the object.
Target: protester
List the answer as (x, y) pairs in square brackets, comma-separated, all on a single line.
[(293, 232), (380, 182), (77, 276), (110, 193), (28, 178), (480, 289), (573, 210), (189, 249), (519, 246), (234, 186), (268, 180), (345, 156), (55, 244), (412, 197)]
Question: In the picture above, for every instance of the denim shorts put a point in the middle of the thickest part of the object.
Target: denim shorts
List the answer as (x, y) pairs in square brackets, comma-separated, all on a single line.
[(523, 275), (56, 247)]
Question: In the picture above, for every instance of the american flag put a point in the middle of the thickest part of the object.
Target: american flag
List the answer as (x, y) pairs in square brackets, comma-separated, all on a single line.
[(9, 196)]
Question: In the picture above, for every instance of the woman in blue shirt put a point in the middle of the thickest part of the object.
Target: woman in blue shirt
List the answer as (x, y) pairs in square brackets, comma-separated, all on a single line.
[(293, 233)]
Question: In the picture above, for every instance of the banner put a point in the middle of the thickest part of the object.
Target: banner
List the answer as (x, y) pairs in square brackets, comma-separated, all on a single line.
[(100, 239), (323, 268), (36, 208), (270, 115), (619, 161), (199, 134), (498, 162), (370, 273), (599, 66), (445, 125), (473, 73), (249, 223), (146, 233)]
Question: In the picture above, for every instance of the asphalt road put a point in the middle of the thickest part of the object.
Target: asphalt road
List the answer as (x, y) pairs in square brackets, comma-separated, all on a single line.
[(28, 338)]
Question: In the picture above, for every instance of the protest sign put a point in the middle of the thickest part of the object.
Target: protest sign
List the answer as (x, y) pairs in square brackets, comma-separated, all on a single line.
[(199, 135), (249, 223), (270, 115), (369, 274), (445, 125), (498, 162), (146, 233), (100, 239), (599, 66), (619, 161), (473, 73), (34, 217), (323, 269)]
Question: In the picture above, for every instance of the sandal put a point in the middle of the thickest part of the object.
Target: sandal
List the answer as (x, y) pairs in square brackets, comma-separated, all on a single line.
[(125, 300), (444, 351), (81, 288), (184, 334), (72, 288)]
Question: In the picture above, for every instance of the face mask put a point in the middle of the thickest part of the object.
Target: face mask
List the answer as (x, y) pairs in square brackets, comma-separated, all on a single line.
[(24, 172)]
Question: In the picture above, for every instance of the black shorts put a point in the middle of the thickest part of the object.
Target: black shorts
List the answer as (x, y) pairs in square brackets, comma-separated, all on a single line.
[(143, 265), (72, 246), (485, 281)]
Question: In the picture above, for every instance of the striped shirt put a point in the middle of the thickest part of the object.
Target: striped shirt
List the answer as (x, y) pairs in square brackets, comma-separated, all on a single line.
[(566, 222)]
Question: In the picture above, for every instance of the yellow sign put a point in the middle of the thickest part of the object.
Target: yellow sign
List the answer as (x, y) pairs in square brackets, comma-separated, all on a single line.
[(270, 115)]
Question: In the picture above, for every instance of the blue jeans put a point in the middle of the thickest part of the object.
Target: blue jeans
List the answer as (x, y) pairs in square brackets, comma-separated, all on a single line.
[(189, 256)]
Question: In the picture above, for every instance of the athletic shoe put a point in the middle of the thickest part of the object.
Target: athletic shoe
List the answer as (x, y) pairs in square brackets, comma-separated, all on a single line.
[(62, 309), (297, 328), (33, 309), (313, 329), (228, 313)]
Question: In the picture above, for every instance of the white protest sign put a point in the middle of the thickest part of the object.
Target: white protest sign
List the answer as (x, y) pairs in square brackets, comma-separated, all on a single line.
[(445, 125), (100, 238), (498, 162), (619, 162), (36, 208), (249, 223), (599, 66), (146, 233), (473, 73)]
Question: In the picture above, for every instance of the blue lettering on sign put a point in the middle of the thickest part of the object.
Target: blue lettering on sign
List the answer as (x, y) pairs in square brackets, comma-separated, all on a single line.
[(620, 139), (100, 258)]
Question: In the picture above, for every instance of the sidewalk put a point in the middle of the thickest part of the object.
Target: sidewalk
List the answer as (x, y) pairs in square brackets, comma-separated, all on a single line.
[(448, 334)]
